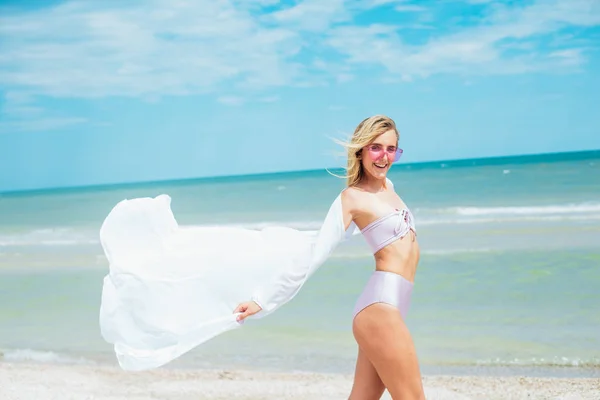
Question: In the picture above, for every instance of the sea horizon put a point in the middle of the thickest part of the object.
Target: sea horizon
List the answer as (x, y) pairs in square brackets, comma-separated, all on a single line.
[(433, 164)]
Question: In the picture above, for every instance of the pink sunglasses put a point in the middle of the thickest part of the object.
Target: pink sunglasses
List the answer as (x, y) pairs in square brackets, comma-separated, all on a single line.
[(377, 151)]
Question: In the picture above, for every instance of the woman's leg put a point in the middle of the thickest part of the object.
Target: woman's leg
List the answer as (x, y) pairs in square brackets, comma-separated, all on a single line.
[(367, 384), (385, 340)]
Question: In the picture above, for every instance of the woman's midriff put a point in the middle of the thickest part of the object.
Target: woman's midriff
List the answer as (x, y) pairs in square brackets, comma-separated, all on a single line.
[(400, 257)]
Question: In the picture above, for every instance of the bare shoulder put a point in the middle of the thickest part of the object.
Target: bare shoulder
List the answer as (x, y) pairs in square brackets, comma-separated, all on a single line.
[(354, 200), (351, 204), (353, 195), (350, 198)]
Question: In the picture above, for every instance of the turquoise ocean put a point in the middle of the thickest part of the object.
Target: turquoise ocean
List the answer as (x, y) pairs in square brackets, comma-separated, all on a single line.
[(509, 278)]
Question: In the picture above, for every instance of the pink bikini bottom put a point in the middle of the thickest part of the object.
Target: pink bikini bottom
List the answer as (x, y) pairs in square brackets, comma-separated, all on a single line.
[(385, 287)]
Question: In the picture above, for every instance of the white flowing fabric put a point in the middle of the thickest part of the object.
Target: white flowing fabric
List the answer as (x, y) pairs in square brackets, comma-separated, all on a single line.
[(171, 288)]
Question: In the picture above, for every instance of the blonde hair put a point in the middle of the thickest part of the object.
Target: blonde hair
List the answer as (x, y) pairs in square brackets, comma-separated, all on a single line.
[(364, 134)]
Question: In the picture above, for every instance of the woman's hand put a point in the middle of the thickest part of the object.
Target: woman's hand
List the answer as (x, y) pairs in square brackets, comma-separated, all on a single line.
[(246, 309)]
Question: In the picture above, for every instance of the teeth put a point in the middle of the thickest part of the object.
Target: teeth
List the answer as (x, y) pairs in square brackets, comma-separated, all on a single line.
[(381, 166)]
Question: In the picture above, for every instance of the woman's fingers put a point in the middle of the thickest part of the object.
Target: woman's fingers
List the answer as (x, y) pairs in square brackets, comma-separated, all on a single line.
[(243, 315), (246, 309), (241, 308)]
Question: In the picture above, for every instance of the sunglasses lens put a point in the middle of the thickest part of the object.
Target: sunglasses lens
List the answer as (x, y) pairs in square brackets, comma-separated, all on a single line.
[(398, 154)]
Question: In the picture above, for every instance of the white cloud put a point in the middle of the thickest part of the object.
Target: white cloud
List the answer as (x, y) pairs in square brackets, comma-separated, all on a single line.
[(90, 49), (231, 100), (19, 105), (244, 49), (312, 15), (172, 48), (571, 57), (20, 114), (21, 111), (409, 8), (399, 5), (262, 3), (478, 49), (17, 97), (269, 99), (378, 3), (344, 77), (39, 124)]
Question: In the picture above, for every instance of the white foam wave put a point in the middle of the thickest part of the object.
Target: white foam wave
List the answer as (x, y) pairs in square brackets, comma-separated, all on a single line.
[(50, 237), (444, 252), (40, 356), (549, 362), (309, 226), (17, 242), (427, 252), (489, 220), (66, 236), (529, 210)]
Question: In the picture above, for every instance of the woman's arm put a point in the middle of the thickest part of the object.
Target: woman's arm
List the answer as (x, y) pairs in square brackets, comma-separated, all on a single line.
[(300, 257)]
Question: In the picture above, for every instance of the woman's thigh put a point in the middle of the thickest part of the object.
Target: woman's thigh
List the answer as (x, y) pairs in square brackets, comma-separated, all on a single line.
[(367, 384), (385, 340)]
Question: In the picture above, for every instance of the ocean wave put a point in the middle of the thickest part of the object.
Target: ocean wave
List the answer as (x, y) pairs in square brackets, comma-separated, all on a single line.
[(445, 252), (464, 215), (426, 252), (504, 219), (542, 362), (456, 215), (75, 237), (16, 242), (50, 237), (307, 226), (40, 356), (528, 210)]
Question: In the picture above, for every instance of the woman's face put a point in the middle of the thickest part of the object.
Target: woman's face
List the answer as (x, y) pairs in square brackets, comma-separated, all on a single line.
[(378, 156)]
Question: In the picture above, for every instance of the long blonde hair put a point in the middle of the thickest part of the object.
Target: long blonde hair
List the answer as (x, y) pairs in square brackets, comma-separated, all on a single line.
[(364, 134)]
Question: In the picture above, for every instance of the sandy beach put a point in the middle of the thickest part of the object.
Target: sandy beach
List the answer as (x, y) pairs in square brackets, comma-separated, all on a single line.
[(46, 381)]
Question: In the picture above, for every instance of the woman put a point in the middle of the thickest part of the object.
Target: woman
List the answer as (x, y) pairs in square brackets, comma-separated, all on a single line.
[(386, 355)]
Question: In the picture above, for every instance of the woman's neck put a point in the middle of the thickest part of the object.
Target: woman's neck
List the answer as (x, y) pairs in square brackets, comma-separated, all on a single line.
[(372, 185)]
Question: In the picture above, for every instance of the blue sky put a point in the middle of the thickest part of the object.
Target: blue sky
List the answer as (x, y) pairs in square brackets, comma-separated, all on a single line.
[(122, 91)]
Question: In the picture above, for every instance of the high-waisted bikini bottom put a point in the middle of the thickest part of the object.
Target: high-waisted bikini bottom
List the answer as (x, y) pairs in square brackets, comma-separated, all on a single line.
[(385, 287)]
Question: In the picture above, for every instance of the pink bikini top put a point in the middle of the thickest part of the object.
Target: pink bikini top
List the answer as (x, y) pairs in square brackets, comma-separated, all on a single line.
[(388, 228)]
